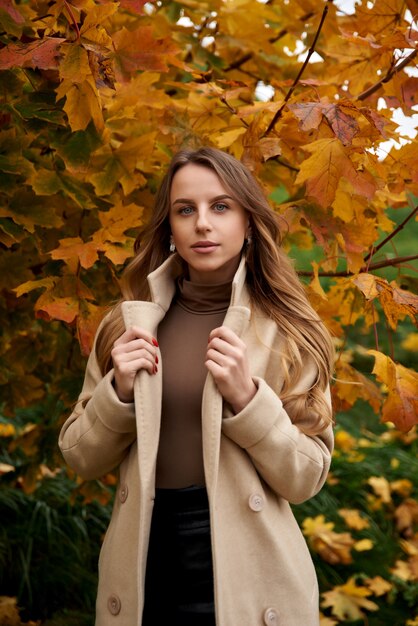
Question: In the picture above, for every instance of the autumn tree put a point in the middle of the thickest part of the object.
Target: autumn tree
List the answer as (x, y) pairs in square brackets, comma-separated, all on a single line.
[(97, 95)]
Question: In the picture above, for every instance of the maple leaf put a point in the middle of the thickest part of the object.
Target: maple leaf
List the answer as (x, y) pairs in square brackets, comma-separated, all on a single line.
[(331, 546), (381, 487), (396, 302), (73, 250), (401, 404), (353, 519), (140, 50), (41, 53), (310, 114), (322, 171), (351, 385), (348, 601), (378, 585), (406, 516)]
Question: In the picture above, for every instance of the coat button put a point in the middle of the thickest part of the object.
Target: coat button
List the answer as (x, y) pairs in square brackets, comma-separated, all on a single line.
[(256, 502), (114, 605), (123, 493), (271, 617)]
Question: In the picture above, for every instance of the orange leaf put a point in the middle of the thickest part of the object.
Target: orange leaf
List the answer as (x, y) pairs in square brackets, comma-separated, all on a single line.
[(75, 249), (87, 322), (401, 404), (139, 50), (42, 53), (322, 171), (309, 113), (134, 6)]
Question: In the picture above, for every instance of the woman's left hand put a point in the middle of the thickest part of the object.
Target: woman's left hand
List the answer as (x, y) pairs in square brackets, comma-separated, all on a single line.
[(227, 361)]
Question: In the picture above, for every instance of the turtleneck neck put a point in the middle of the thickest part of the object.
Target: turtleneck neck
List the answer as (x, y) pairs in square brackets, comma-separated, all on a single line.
[(199, 298)]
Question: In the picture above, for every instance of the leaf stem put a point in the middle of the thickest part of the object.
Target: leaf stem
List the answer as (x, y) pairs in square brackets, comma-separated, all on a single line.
[(74, 21)]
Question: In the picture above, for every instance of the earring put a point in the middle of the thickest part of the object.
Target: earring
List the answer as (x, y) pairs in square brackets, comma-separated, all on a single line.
[(248, 240), (172, 245)]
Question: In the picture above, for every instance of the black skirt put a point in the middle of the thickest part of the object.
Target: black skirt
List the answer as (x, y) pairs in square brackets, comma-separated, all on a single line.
[(179, 575)]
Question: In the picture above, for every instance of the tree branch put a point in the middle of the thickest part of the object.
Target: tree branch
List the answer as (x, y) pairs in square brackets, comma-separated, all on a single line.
[(249, 55), (302, 69), (373, 266), (368, 92), (390, 236)]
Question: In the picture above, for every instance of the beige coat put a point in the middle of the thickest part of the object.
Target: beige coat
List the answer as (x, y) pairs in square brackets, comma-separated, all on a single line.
[(256, 462)]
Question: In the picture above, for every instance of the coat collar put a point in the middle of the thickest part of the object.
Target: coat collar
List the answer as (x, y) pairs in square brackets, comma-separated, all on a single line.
[(162, 283)]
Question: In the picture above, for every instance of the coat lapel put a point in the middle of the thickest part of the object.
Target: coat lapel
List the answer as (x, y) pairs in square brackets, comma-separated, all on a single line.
[(237, 318), (148, 389)]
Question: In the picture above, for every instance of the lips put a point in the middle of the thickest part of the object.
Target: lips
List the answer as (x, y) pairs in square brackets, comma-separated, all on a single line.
[(204, 247), (204, 244)]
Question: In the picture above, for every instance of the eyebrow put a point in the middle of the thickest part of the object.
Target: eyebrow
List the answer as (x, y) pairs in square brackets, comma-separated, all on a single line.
[(223, 196)]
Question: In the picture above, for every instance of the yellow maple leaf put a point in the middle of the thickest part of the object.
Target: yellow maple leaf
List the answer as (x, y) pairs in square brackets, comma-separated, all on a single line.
[(353, 519), (378, 585), (403, 486), (348, 601), (363, 545), (381, 487), (344, 441), (331, 546)]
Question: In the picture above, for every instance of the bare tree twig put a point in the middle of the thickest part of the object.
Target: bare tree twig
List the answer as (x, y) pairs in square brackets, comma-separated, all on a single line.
[(391, 235), (302, 69), (394, 70), (373, 266)]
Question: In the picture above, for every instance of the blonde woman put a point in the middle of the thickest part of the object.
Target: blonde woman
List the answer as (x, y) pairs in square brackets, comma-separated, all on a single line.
[(208, 386)]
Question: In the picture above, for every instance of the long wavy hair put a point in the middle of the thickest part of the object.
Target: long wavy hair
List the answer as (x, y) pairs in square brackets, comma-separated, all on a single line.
[(273, 284)]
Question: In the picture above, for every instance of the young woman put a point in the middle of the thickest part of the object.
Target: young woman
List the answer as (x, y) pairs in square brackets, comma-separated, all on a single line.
[(208, 386)]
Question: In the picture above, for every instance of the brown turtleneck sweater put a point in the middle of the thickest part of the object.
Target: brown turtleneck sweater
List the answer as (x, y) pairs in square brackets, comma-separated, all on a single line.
[(183, 338)]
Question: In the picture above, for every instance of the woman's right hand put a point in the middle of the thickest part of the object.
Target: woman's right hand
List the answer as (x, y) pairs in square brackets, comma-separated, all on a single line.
[(135, 350)]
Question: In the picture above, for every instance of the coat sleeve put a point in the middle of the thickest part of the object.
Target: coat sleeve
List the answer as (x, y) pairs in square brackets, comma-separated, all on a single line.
[(293, 464), (96, 436)]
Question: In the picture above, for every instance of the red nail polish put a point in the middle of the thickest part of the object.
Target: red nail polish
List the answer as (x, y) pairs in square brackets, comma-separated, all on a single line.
[(155, 342), (155, 369), (156, 359)]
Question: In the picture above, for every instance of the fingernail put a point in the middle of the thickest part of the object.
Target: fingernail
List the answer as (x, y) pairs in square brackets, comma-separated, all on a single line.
[(155, 342), (155, 369), (156, 359)]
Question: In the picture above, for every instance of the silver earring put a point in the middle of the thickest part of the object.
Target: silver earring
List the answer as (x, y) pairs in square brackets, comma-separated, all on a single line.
[(249, 240), (172, 245)]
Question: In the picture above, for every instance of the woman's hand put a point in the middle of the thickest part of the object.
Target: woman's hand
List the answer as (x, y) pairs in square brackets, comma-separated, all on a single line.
[(226, 360), (135, 350)]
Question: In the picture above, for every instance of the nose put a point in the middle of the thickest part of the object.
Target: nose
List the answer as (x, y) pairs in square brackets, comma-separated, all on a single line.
[(202, 220)]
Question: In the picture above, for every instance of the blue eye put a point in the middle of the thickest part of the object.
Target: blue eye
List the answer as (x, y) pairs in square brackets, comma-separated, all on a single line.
[(186, 210), (220, 207)]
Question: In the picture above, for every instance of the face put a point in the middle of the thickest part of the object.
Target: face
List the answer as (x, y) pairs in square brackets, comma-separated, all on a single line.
[(208, 226)]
